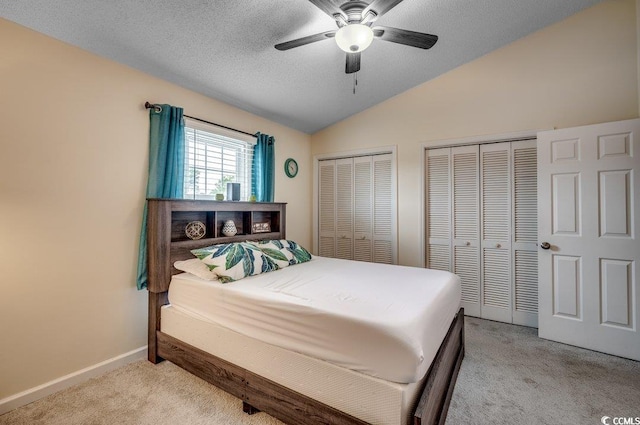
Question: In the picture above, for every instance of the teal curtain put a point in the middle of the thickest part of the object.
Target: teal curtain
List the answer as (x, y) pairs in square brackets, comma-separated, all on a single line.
[(263, 168), (166, 168)]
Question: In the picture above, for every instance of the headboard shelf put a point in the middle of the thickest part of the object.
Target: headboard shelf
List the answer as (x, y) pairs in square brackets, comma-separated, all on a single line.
[(189, 244), (168, 218)]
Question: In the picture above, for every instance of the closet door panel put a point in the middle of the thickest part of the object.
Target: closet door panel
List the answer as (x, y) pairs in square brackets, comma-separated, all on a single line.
[(363, 209), (525, 232), (465, 229), (383, 250), (496, 283), (525, 311), (438, 209), (467, 267), (344, 208), (327, 209), (495, 193)]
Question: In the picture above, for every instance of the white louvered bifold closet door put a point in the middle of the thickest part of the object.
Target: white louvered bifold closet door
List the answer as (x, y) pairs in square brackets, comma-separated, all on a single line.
[(481, 212), (465, 218), (327, 208), (363, 209), (525, 232), (438, 252), (344, 208), (383, 249), (495, 275), (356, 209)]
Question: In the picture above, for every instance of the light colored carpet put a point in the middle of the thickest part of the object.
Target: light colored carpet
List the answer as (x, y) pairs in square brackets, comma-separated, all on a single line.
[(509, 376)]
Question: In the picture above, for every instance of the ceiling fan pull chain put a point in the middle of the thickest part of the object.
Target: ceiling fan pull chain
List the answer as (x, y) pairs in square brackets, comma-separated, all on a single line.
[(355, 81)]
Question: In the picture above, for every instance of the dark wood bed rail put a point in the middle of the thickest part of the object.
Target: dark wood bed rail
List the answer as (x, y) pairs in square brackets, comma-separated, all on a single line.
[(291, 407)]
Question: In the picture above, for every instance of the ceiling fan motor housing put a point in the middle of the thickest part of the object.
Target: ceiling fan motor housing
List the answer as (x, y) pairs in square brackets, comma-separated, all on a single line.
[(353, 10)]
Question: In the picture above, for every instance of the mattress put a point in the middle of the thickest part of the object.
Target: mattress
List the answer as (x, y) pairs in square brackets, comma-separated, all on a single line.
[(373, 400), (380, 320)]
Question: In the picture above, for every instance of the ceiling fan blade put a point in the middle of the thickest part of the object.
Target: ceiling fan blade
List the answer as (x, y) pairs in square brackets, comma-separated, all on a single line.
[(380, 7), (353, 63), (328, 7), (305, 40), (406, 37)]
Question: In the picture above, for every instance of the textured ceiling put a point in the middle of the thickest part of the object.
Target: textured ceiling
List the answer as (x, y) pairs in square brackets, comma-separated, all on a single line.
[(224, 48)]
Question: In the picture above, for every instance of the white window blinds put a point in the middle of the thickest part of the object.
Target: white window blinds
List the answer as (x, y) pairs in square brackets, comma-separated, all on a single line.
[(213, 158)]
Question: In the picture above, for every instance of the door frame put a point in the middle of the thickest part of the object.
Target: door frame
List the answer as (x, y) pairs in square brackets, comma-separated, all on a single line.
[(382, 150)]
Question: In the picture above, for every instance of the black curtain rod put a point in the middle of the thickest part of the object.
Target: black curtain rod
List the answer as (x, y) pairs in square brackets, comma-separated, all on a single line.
[(152, 105)]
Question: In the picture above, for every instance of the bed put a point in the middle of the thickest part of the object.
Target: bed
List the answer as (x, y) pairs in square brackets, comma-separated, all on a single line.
[(290, 383)]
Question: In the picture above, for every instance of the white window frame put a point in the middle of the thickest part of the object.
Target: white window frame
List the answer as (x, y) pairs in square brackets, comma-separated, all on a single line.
[(225, 139)]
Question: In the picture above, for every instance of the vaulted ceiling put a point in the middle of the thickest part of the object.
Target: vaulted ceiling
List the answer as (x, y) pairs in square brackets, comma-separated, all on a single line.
[(224, 48)]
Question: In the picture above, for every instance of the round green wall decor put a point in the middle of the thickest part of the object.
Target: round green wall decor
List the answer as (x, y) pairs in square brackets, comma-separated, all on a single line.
[(291, 167)]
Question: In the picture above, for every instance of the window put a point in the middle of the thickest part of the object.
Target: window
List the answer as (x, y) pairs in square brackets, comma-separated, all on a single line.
[(213, 158)]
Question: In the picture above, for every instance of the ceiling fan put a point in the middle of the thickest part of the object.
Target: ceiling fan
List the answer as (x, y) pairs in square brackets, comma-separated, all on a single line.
[(355, 32)]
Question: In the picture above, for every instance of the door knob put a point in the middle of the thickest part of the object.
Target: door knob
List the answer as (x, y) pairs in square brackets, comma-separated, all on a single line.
[(545, 245)]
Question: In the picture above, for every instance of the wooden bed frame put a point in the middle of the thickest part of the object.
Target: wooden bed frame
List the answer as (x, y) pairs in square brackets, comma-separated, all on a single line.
[(257, 393)]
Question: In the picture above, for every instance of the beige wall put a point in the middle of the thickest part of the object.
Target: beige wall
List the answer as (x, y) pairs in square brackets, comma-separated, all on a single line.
[(73, 163), (582, 70)]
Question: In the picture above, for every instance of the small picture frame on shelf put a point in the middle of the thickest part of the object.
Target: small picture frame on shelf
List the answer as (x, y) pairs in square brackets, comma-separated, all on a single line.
[(261, 227)]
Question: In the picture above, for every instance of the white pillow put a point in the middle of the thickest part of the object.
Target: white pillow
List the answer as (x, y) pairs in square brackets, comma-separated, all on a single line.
[(196, 268)]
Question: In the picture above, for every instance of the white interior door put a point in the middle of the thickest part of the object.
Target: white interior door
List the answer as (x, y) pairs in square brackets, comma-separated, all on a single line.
[(588, 192)]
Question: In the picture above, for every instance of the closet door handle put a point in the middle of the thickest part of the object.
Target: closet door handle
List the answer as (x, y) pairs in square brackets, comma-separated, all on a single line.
[(545, 245)]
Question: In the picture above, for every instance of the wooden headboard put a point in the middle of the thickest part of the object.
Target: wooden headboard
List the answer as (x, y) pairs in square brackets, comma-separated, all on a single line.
[(167, 241)]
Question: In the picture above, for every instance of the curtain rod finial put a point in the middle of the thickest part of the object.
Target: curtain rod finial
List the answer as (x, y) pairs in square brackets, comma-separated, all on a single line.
[(156, 108)]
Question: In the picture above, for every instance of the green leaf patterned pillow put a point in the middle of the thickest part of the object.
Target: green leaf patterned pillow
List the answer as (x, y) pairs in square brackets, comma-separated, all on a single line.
[(275, 250), (300, 255), (284, 252), (234, 261)]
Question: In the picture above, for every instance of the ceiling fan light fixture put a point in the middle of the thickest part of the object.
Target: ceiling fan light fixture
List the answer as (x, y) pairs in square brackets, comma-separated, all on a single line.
[(354, 38)]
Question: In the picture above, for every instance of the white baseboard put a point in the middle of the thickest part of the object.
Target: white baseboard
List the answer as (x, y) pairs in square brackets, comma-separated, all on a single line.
[(41, 391)]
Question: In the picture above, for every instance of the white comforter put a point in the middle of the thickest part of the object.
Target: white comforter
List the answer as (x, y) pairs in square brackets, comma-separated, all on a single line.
[(381, 320)]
